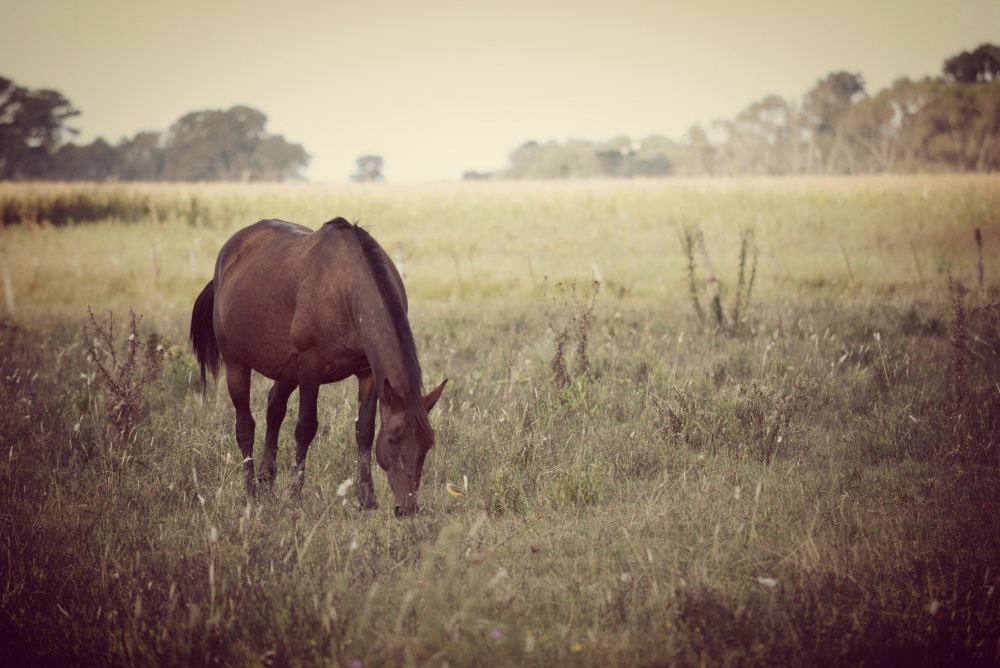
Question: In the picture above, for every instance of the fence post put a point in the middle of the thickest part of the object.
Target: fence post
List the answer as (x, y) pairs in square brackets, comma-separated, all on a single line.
[(8, 284)]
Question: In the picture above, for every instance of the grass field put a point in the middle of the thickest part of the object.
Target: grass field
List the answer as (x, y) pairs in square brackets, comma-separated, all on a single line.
[(813, 482)]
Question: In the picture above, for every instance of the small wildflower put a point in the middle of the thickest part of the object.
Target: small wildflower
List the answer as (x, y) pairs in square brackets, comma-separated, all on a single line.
[(576, 647), (354, 544), (768, 582), (213, 534), (625, 577), (344, 486), (496, 634)]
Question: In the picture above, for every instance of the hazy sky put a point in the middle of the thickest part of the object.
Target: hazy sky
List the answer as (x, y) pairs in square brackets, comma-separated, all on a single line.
[(438, 87)]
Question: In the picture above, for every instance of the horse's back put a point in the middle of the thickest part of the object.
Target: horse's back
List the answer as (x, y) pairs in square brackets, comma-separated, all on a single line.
[(281, 287)]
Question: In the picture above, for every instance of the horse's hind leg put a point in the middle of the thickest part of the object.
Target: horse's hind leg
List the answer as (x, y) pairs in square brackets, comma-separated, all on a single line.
[(305, 431), (238, 381), (277, 406), (364, 431)]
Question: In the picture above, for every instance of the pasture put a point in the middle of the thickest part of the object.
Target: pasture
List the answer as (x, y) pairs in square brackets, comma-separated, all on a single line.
[(806, 474)]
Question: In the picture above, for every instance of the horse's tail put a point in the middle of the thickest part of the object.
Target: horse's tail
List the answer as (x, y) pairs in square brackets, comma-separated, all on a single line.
[(206, 347)]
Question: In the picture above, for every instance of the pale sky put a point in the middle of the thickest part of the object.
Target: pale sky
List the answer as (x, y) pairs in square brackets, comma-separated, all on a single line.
[(438, 87)]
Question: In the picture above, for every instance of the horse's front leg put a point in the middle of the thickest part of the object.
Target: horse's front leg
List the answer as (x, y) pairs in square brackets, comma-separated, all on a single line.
[(277, 406), (305, 430), (364, 432), (238, 382)]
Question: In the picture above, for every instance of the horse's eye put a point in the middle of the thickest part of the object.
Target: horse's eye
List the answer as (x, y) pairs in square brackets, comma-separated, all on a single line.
[(391, 441)]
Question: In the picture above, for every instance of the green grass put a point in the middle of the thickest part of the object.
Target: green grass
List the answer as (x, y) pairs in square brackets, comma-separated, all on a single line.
[(801, 491)]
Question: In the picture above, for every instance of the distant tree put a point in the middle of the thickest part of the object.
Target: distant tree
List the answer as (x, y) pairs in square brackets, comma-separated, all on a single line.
[(523, 158), (962, 125), (276, 159), (32, 125), (230, 145), (141, 157), (981, 65), (96, 161), (762, 139), (369, 169), (873, 123), (824, 107), (702, 155)]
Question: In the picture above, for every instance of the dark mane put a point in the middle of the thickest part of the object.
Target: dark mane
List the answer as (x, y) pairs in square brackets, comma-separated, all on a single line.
[(383, 271)]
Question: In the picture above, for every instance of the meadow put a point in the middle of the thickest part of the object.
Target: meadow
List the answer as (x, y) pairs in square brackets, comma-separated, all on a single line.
[(792, 460)]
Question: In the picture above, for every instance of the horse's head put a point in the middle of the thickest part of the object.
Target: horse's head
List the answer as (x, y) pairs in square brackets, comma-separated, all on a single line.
[(402, 445)]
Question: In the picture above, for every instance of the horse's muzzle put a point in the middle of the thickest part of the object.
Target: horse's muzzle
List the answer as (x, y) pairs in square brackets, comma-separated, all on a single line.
[(409, 510)]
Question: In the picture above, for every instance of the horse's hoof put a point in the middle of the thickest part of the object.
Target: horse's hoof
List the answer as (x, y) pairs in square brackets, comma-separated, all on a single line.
[(366, 497)]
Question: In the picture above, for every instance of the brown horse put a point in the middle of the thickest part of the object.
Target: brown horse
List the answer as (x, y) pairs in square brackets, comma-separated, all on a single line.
[(308, 308)]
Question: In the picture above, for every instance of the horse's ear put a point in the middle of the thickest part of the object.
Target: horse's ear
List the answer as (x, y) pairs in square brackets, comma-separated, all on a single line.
[(390, 397), (435, 394)]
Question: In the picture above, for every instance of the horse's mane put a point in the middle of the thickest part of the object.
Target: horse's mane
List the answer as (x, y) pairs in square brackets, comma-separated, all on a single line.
[(382, 270)]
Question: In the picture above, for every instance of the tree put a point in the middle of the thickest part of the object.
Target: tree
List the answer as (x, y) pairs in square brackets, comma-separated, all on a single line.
[(872, 123), (702, 156), (824, 107), (369, 169), (32, 124), (96, 161), (981, 65), (141, 157), (763, 139), (962, 123), (230, 145)]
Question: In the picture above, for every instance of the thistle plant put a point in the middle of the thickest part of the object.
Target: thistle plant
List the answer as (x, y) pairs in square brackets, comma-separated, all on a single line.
[(569, 319), (125, 387), (690, 235)]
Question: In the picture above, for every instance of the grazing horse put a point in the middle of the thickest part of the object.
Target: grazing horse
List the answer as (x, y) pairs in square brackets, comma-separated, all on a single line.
[(307, 308)]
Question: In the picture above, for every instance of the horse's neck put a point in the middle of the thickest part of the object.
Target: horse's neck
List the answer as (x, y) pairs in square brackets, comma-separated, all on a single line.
[(381, 344)]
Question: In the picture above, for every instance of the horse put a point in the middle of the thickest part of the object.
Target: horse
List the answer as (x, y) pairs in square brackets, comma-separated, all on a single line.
[(306, 308)]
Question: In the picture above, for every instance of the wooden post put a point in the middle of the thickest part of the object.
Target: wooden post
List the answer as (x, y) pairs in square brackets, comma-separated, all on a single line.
[(8, 284), (847, 261), (979, 259), (917, 262)]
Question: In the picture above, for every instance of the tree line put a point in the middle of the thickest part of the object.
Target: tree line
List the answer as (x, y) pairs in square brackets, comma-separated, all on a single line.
[(210, 145), (948, 123)]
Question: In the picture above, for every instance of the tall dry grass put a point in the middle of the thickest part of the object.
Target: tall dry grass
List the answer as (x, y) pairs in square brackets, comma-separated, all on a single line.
[(786, 493)]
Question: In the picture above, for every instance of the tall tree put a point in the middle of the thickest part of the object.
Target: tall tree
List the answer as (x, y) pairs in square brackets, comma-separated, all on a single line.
[(824, 107), (702, 156), (763, 138), (96, 161), (229, 145), (141, 157), (963, 126), (369, 169), (32, 125), (981, 65)]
